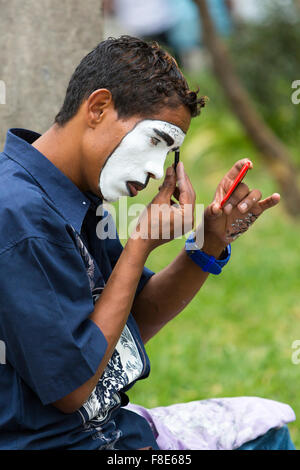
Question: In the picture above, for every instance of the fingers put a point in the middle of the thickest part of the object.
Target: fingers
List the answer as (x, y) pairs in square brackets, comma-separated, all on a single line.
[(191, 187), (247, 203), (186, 192), (214, 210), (167, 188), (176, 192), (254, 198), (237, 196), (234, 171), (269, 202)]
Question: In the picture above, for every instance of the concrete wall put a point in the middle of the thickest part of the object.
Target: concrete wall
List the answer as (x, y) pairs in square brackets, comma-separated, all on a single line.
[(41, 43)]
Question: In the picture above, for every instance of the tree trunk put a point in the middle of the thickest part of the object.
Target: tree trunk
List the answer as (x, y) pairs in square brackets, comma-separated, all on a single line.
[(273, 151), (41, 43)]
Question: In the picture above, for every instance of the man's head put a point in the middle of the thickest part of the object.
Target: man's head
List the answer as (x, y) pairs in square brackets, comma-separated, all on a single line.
[(131, 105)]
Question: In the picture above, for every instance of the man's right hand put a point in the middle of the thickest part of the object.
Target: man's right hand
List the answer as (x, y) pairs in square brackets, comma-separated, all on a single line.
[(163, 219)]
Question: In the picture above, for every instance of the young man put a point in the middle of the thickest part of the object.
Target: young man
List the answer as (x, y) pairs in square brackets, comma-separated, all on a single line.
[(76, 310)]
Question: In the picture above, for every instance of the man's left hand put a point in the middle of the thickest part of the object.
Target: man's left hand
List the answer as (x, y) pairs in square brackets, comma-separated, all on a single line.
[(240, 211)]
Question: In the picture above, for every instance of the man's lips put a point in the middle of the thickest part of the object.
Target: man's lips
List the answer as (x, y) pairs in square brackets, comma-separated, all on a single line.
[(135, 186), (133, 191)]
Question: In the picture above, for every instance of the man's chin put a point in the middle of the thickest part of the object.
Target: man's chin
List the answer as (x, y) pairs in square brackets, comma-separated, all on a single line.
[(114, 194), (110, 197)]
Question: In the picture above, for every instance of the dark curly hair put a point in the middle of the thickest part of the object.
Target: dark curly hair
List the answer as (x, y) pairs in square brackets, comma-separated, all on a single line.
[(141, 76)]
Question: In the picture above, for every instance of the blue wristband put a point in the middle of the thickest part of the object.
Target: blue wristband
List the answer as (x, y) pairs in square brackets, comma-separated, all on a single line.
[(206, 262)]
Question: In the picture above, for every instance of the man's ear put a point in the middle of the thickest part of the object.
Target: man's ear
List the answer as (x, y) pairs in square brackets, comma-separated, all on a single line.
[(96, 104)]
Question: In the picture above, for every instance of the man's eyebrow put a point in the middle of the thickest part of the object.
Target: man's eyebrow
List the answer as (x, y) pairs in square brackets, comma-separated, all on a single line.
[(166, 137)]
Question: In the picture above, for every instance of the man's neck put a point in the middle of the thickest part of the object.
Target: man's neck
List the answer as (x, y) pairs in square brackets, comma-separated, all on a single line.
[(60, 146)]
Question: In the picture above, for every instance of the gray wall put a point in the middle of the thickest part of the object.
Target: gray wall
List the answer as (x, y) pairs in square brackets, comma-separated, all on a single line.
[(41, 43)]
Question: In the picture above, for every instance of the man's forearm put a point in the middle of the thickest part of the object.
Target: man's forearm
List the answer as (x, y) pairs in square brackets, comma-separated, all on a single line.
[(168, 292), (113, 307)]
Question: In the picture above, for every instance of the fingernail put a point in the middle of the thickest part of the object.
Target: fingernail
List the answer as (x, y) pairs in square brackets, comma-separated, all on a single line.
[(244, 206), (169, 171), (228, 208)]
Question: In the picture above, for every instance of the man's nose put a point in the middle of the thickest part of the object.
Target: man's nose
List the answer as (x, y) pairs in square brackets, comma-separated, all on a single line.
[(155, 171)]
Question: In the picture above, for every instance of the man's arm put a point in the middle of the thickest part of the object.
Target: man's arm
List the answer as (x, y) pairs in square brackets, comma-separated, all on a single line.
[(168, 292)]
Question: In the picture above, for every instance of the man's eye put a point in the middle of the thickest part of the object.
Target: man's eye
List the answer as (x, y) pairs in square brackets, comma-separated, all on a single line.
[(154, 141)]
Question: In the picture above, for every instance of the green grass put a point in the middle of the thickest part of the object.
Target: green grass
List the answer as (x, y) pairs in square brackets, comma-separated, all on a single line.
[(235, 337)]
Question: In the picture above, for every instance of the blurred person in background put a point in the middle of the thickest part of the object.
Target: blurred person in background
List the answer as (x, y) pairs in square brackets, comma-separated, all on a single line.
[(185, 37), (251, 10), (150, 20), (175, 24)]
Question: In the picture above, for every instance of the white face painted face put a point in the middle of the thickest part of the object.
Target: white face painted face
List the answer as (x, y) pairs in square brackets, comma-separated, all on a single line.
[(142, 151)]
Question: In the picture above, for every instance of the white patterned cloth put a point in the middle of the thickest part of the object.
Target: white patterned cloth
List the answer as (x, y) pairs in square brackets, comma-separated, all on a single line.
[(214, 424)]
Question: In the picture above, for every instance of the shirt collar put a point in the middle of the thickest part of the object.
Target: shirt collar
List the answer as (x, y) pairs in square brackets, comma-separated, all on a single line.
[(70, 201)]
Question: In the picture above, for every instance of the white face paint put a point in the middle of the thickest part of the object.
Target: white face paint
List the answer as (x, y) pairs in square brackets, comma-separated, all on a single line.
[(142, 151)]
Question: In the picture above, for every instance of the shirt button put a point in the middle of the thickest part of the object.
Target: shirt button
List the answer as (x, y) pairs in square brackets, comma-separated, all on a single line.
[(84, 203)]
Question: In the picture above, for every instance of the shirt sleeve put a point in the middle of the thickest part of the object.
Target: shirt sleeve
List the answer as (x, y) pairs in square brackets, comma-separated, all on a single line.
[(45, 305)]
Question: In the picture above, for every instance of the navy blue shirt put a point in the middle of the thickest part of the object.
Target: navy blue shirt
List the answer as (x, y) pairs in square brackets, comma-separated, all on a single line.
[(53, 267)]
